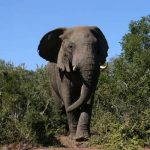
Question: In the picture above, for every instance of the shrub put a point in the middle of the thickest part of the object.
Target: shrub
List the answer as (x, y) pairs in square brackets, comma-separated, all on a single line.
[(27, 112)]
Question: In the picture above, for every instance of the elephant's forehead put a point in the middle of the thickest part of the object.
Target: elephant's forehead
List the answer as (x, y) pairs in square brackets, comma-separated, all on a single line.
[(82, 34), (81, 30)]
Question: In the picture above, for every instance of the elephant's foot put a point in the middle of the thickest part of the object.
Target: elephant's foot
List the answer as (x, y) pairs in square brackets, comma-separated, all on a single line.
[(72, 136), (72, 133), (82, 136)]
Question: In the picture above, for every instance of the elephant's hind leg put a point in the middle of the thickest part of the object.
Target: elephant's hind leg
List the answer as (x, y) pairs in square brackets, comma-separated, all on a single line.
[(58, 101)]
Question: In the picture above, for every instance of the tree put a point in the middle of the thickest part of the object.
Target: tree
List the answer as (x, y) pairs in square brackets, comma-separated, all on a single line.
[(122, 101), (137, 41)]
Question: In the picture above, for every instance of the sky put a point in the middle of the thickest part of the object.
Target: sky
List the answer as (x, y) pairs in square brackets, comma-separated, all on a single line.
[(24, 22)]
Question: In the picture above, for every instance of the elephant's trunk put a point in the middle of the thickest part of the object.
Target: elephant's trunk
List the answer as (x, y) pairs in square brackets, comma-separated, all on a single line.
[(85, 94), (90, 73)]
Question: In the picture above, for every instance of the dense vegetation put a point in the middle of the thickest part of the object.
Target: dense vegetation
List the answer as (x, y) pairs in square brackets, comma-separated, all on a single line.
[(27, 112), (121, 115), (122, 102)]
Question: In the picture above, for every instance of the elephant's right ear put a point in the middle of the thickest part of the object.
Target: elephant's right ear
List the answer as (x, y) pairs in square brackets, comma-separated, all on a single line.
[(50, 45)]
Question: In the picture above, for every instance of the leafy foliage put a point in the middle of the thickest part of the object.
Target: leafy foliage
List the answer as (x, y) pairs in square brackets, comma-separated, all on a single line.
[(122, 101), (27, 112)]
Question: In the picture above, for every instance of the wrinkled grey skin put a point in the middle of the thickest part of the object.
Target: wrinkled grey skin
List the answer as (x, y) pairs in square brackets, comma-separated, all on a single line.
[(74, 55)]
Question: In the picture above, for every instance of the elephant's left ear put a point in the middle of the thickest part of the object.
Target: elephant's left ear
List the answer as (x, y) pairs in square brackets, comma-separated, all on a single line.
[(50, 45), (103, 45)]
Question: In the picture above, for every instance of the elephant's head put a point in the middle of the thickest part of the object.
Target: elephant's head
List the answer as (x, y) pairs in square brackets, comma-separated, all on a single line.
[(81, 49)]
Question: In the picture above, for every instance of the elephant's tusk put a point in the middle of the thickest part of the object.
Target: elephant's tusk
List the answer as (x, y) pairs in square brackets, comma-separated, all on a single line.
[(104, 66), (74, 68)]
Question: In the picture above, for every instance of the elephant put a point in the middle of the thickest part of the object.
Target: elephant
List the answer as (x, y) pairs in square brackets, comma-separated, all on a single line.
[(74, 58)]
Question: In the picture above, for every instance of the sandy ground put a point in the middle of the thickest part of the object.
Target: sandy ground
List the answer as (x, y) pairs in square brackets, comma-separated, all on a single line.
[(66, 144)]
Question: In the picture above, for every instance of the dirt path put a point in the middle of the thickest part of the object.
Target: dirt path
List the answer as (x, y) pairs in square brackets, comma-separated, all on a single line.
[(68, 144), (65, 142)]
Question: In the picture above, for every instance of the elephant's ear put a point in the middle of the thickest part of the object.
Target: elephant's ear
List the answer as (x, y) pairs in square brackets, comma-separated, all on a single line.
[(103, 45), (50, 44)]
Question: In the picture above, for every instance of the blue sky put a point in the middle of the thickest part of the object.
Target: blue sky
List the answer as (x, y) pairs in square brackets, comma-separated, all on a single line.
[(24, 22)]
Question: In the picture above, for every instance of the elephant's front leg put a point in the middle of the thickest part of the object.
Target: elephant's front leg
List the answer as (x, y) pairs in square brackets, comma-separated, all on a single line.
[(83, 128), (72, 122), (73, 116)]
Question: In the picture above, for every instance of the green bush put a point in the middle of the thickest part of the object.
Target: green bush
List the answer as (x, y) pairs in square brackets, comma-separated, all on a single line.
[(27, 112), (121, 113)]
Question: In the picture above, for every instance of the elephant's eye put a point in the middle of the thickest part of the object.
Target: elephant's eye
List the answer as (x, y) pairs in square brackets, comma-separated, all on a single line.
[(71, 46)]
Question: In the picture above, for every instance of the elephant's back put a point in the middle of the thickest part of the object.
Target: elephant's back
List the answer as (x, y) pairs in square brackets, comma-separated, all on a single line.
[(52, 74)]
